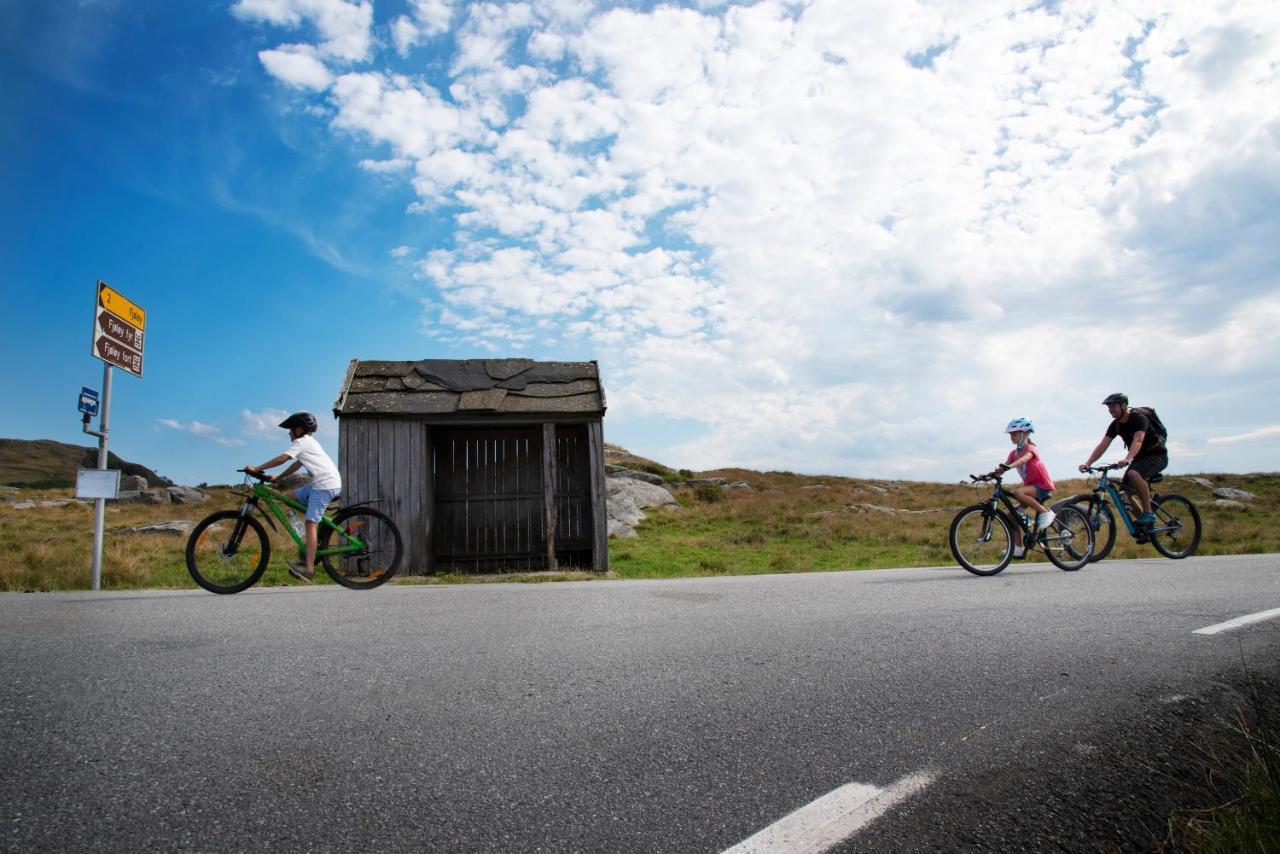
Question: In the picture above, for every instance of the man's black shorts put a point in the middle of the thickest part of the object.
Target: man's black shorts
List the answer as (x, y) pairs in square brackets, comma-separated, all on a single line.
[(1150, 464)]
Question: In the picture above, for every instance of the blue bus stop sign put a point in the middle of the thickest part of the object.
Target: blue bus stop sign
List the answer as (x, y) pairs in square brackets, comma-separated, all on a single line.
[(88, 401)]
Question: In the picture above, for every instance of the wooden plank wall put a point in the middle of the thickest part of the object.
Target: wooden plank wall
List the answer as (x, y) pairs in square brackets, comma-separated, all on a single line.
[(386, 459), (599, 497)]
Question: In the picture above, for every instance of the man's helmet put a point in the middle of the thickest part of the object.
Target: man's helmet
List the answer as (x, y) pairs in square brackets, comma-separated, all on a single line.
[(1023, 424), (305, 420), (1122, 399)]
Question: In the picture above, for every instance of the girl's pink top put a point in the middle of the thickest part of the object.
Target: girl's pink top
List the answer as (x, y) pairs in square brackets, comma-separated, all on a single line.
[(1033, 470)]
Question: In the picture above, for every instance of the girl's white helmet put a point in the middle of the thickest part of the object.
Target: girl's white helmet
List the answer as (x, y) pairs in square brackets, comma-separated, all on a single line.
[(1019, 424)]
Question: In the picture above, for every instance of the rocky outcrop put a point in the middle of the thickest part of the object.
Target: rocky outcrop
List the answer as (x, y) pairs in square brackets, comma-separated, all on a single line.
[(628, 499), (185, 495), (1233, 494), (632, 474)]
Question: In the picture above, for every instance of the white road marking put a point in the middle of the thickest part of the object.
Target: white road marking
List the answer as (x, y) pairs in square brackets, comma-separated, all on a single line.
[(822, 824), (1246, 620)]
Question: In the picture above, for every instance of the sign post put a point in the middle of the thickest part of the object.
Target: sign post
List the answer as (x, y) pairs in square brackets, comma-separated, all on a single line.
[(118, 326)]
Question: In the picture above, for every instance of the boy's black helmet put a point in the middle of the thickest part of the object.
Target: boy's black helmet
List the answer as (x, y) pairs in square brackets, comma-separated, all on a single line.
[(305, 420), (1122, 399)]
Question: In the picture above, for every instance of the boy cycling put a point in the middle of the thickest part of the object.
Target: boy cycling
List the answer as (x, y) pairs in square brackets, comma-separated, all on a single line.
[(325, 485)]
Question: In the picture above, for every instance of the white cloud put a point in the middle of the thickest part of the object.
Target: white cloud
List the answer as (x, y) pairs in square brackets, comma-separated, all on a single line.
[(263, 424), (1260, 433), (830, 233), (201, 430), (344, 26), (430, 18), (296, 65)]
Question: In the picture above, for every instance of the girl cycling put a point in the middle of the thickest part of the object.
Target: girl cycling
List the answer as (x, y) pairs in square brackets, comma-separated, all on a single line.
[(1036, 487)]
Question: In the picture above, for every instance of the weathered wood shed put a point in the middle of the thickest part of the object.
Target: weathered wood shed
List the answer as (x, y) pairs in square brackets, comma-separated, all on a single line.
[(486, 465)]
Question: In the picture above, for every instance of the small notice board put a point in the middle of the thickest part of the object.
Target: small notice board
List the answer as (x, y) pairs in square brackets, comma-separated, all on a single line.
[(97, 483)]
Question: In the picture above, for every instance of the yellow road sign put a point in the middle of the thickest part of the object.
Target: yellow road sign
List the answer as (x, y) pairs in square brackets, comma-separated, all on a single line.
[(116, 303)]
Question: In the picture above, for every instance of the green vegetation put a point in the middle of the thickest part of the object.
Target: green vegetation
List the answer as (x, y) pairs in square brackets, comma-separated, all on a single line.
[(1244, 776), (784, 523), (796, 523)]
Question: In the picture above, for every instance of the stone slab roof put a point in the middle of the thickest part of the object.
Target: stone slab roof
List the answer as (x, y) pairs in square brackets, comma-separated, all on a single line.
[(470, 387)]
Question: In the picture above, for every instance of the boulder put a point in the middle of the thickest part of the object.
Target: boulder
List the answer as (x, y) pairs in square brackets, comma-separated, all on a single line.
[(185, 495), (176, 527), (628, 499), (155, 496), (816, 486), (1228, 504), (741, 484), (647, 477), (1233, 494), (621, 531), (705, 481), (1201, 481), (133, 483), (130, 496), (873, 508)]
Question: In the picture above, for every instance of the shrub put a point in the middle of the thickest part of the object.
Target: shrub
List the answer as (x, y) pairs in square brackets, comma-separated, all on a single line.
[(709, 492)]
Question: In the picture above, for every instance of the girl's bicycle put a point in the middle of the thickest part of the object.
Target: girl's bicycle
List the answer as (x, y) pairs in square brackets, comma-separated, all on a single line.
[(982, 535), (1176, 533), (360, 547)]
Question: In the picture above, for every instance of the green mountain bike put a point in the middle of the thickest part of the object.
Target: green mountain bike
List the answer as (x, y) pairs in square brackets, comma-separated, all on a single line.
[(359, 547)]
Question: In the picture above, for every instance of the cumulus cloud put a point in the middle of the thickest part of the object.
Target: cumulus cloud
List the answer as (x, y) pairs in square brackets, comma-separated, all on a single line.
[(831, 233), (297, 65), (344, 26)]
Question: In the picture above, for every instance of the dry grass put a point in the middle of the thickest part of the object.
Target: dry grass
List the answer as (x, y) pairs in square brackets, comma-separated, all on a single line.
[(786, 523), (51, 548), (791, 523)]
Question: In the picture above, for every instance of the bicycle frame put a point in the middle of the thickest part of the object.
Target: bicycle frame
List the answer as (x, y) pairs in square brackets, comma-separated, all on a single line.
[(1030, 537), (265, 495), (1105, 486)]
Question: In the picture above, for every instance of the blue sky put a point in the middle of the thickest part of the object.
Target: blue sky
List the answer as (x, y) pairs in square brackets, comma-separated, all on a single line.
[(830, 237)]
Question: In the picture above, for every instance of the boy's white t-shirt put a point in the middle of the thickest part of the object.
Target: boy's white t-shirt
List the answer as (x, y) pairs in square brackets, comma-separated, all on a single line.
[(324, 474)]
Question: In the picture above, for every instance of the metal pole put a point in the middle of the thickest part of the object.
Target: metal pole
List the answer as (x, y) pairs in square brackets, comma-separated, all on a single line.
[(100, 504)]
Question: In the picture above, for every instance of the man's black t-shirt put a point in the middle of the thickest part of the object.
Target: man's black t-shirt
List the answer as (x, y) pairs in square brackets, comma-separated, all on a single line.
[(1137, 422)]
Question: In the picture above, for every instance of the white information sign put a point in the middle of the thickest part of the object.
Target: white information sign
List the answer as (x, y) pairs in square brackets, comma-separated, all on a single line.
[(97, 483)]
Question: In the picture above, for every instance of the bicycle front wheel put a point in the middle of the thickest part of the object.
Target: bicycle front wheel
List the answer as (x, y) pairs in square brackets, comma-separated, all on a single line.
[(981, 540), (227, 553), (1176, 533), (1068, 541), (374, 544)]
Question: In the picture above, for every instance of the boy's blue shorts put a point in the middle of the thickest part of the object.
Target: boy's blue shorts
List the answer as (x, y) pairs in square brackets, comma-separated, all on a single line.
[(316, 500)]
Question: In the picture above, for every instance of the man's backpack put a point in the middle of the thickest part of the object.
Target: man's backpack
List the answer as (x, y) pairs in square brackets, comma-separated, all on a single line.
[(1157, 426)]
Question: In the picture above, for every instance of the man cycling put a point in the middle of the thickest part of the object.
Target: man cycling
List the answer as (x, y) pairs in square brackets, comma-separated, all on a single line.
[(1146, 455)]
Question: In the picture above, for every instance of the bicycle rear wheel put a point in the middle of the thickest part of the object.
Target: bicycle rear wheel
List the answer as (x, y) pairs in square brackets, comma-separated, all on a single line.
[(1068, 541), (375, 561), (227, 554), (981, 540), (1101, 520), (1176, 533)]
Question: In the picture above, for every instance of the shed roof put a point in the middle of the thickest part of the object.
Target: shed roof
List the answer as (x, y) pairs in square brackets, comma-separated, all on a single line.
[(470, 387)]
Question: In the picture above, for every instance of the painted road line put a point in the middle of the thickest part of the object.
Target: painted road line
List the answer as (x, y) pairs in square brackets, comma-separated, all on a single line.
[(832, 818), (1246, 620)]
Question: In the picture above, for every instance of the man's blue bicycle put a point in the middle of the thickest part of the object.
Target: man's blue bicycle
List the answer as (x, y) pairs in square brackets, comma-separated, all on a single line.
[(1175, 534)]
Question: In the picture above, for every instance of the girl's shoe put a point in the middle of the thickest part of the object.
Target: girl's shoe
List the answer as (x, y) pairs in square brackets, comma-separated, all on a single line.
[(1019, 552), (1045, 519)]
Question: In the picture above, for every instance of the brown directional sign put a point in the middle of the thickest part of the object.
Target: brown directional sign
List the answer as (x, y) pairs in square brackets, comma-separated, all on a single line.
[(114, 327), (117, 330)]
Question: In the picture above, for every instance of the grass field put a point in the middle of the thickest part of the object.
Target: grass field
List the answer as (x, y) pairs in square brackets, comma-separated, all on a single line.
[(785, 523)]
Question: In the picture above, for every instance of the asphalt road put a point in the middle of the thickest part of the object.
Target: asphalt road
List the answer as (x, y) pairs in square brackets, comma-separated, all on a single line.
[(621, 716)]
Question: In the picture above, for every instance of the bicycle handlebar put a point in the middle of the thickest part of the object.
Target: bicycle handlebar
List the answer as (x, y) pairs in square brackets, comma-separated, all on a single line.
[(264, 478), (1108, 467)]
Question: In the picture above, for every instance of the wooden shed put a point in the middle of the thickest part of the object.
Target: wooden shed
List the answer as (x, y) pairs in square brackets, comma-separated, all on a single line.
[(486, 465)]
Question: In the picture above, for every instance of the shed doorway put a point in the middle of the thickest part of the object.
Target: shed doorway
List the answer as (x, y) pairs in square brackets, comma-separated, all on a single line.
[(489, 506)]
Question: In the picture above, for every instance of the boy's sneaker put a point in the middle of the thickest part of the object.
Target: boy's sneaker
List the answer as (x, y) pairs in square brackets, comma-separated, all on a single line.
[(299, 570), (1146, 519), (1019, 552), (1045, 519)]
